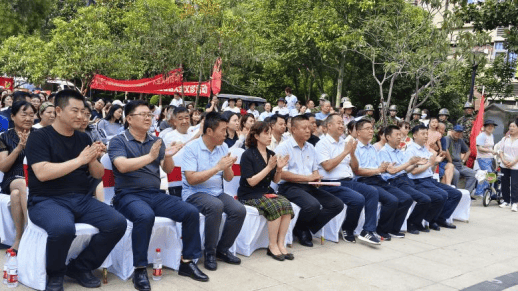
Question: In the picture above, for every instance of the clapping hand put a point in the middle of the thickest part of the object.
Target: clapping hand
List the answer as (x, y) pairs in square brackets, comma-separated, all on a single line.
[(272, 163), (383, 167), (351, 146), (88, 154), (226, 162), (100, 148), (315, 177), (282, 162), (155, 149), (440, 157), (422, 161), (173, 149), (23, 136)]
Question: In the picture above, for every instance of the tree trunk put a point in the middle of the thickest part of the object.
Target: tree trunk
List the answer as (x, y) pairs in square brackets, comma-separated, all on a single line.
[(389, 96), (199, 85), (340, 82)]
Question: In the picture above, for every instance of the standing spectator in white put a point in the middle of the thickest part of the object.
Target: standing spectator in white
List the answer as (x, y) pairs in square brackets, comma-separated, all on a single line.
[(177, 100), (485, 143), (206, 162), (61, 159), (291, 99), (509, 164)]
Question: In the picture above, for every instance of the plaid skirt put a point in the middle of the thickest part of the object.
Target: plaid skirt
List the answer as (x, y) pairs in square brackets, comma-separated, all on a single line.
[(271, 208)]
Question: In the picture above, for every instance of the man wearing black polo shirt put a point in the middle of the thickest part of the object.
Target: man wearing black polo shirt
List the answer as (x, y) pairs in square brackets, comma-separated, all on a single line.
[(61, 160), (137, 157)]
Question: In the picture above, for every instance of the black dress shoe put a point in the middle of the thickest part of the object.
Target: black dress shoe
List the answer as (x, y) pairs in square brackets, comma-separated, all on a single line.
[(446, 224), (289, 256), (276, 257), (140, 280), (191, 270), (419, 227), (305, 238), (434, 226), (85, 279), (210, 262), (412, 230), (55, 284), (228, 257)]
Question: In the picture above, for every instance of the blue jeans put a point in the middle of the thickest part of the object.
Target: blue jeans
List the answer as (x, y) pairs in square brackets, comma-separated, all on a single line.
[(140, 206), (357, 195), (449, 196), (57, 215), (485, 164)]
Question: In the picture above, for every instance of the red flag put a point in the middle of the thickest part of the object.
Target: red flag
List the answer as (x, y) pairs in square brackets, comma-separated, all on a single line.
[(475, 130), (216, 77), (7, 83)]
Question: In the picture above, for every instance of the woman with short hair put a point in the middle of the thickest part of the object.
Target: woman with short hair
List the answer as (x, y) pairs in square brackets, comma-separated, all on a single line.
[(46, 114), (12, 153)]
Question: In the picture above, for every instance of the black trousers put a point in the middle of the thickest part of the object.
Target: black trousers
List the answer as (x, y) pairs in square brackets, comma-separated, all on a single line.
[(57, 216), (317, 207)]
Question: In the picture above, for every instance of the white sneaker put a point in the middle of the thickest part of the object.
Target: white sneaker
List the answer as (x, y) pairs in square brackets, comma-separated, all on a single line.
[(514, 208), (504, 205)]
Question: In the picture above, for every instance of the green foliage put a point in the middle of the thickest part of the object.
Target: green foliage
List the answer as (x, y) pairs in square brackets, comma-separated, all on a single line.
[(154, 99)]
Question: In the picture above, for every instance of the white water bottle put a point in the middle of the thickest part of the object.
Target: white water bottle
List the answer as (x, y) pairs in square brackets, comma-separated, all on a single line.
[(6, 260), (157, 266), (12, 271)]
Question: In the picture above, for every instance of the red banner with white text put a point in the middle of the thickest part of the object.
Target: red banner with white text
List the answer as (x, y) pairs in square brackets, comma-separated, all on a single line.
[(148, 85)]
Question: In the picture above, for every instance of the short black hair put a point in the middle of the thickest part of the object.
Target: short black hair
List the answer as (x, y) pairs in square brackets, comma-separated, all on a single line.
[(390, 129), (20, 95), (351, 125), (35, 96), (130, 108), (274, 118), (179, 109), (361, 123), (21, 105), (329, 119), (297, 119), (309, 115), (419, 127), (212, 121), (227, 115), (62, 97), (320, 122), (132, 105)]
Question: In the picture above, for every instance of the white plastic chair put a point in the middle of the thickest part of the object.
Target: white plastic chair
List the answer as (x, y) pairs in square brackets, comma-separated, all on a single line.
[(33, 250), (254, 233), (164, 236), (7, 228)]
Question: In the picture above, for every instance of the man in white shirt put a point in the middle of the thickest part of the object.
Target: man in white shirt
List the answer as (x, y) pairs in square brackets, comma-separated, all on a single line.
[(181, 121), (267, 112), (278, 125), (177, 101), (291, 99), (281, 107), (253, 111), (318, 207), (232, 106), (334, 157)]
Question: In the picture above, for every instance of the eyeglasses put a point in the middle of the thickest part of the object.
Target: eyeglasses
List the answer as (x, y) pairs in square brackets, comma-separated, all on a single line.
[(368, 128), (144, 114)]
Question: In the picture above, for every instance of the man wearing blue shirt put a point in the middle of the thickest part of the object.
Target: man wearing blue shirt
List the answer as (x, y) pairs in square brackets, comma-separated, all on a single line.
[(369, 170), (326, 110), (423, 178), (335, 157), (400, 165), (206, 162), (318, 207)]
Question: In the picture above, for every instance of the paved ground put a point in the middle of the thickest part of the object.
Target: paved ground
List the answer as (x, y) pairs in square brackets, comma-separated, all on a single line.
[(481, 254)]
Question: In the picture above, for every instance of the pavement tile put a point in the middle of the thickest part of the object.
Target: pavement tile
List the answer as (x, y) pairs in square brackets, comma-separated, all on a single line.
[(424, 268), (386, 278)]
